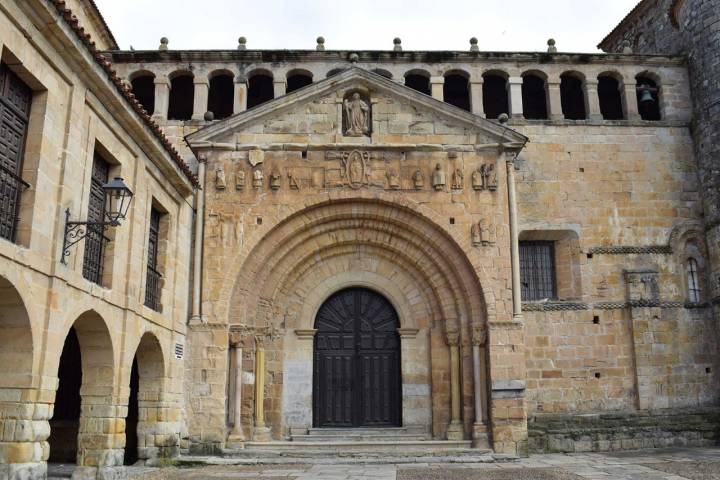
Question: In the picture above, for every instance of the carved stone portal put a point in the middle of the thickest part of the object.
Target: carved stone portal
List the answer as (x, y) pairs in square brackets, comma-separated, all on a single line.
[(357, 116)]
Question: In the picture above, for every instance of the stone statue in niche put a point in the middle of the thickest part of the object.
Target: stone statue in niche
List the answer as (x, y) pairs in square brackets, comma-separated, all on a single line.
[(275, 180), (457, 179), (489, 176), (239, 179), (438, 178), (220, 183), (257, 178), (357, 116), (418, 179), (477, 180), (393, 179)]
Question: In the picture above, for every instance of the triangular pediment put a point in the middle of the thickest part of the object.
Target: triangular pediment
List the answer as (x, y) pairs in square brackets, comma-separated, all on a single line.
[(315, 113)]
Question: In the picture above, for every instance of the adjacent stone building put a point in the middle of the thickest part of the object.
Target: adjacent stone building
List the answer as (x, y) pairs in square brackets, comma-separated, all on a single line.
[(471, 249)]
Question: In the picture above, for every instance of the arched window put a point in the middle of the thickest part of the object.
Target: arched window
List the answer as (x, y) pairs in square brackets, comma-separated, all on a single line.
[(221, 94), (495, 95), (260, 89), (418, 80), (534, 97), (610, 97), (572, 97), (693, 280), (297, 79), (382, 72), (143, 87), (456, 90), (648, 98), (182, 96), (333, 72)]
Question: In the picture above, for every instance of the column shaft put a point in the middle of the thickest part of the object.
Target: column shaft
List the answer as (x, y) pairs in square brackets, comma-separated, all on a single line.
[(514, 244), (236, 434), (197, 261), (240, 97), (200, 101), (515, 94), (630, 103), (476, 98), (555, 104), (260, 433), (436, 88), (162, 97), (593, 101), (279, 88)]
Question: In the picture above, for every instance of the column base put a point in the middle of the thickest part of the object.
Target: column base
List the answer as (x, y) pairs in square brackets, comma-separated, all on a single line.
[(235, 440), (197, 320), (455, 431), (261, 434), (480, 438)]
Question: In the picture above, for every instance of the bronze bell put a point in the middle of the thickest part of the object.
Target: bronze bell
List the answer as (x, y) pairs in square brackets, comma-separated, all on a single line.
[(646, 96)]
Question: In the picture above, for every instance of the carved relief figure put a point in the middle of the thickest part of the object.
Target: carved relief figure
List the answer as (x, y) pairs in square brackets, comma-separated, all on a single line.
[(482, 233), (356, 168), (275, 180), (458, 179), (476, 235), (239, 179), (438, 178), (258, 178), (357, 116), (477, 180), (489, 176), (220, 178), (418, 179), (293, 181), (393, 179)]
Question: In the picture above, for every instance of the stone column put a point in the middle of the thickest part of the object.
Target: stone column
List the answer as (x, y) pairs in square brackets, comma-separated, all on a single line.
[(199, 227), (23, 446), (200, 102), (436, 88), (480, 436), (240, 95), (592, 100), (476, 97), (279, 88), (555, 103), (101, 438), (514, 243), (236, 436), (629, 101), (455, 429), (261, 433), (515, 96), (162, 97)]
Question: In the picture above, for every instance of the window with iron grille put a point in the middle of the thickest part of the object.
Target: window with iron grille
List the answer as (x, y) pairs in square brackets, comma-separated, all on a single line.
[(95, 240), (537, 270), (15, 99), (693, 281), (153, 285)]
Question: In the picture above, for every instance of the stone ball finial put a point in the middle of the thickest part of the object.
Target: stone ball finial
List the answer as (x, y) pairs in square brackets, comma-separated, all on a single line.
[(209, 116), (242, 43), (551, 46), (397, 44), (503, 118), (626, 47), (354, 57), (474, 44), (163, 43), (320, 44)]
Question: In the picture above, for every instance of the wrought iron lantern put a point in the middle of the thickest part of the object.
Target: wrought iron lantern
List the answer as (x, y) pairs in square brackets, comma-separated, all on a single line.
[(117, 203)]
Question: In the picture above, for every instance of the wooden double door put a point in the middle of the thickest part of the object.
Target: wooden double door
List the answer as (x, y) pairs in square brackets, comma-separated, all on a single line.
[(356, 374)]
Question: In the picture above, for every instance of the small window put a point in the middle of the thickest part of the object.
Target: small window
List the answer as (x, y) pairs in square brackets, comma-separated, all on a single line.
[(182, 97), (537, 270), (153, 283), (95, 239), (418, 82), (534, 97), (572, 97), (648, 98), (143, 87), (456, 91), (610, 98), (495, 95), (220, 96), (693, 281), (260, 90), (298, 79)]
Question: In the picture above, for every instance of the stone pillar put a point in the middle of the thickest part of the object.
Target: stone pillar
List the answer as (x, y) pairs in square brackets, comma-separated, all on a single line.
[(476, 97), (592, 100), (261, 433), (200, 100), (555, 103), (455, 429), (279, 88), (199, 223), (514, 242), (24, 430), (101, 439), (158, 428), (162, 97), (515, 96), (236, 436), (240, 95), (480, 435), (629, 101), (436, 88)]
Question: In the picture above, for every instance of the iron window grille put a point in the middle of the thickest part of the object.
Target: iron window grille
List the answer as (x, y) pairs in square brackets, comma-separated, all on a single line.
[(153, 282), (95, 239), (693, 281), (537, 270), (15, 99)]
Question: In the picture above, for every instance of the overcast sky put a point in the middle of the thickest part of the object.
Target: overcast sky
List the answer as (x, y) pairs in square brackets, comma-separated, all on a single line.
[(517, 25)]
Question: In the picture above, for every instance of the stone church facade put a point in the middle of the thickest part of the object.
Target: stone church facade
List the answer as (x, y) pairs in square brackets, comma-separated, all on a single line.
[(506, 251)]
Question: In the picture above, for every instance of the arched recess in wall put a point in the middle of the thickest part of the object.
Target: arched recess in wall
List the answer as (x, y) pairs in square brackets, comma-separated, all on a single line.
[(610, 92), (260, 87), (534, 95), (334, 72), (691, 258), (298, 78), (382, 72), (572, 96), (221, 94), (143, 87), (16, 341), (649, 96), (86, 373), (182, 96), (495, 94), (456, 89), (418, 80)]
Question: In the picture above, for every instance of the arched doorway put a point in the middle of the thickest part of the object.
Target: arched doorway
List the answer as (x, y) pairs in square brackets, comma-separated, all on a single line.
[(356, 365)]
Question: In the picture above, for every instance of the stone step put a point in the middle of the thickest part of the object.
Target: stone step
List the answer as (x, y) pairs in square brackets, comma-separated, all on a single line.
[(356, 437), (341, 432), (371, 446)]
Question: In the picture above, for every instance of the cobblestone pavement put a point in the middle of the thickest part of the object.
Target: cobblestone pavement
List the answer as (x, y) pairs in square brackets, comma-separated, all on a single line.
[(666, 464)]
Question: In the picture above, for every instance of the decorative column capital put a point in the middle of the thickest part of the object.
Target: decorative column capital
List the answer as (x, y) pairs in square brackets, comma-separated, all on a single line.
[(479, 334), (452, 334)]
